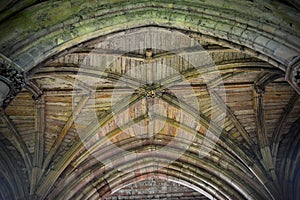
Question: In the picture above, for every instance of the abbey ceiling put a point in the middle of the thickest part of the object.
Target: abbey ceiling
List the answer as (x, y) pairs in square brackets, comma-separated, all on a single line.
[(103, 98)]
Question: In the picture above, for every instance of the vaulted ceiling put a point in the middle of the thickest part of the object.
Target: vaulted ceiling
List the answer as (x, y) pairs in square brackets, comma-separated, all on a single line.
[(192, 99)]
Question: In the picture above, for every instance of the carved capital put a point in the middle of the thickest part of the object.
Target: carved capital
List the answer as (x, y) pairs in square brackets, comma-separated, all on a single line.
[(39, 101), (293, 74), (13, 77), (260, 90), (37, 93)]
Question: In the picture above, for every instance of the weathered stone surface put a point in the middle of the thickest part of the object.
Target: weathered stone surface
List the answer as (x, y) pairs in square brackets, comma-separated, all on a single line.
[(156, 189), (293, 73), (12, 80)]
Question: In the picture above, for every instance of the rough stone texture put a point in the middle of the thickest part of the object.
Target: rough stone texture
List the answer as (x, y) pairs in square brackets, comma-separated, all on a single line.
[(156, 189), (66, 28)]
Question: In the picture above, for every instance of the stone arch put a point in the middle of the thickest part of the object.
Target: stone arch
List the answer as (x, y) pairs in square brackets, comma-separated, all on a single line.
[(36, 34), (91, 20), (200, 173), (39, 33)]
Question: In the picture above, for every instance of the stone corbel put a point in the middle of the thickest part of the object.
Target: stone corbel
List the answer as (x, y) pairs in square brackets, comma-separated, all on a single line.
[(293, 74), (12, 80)]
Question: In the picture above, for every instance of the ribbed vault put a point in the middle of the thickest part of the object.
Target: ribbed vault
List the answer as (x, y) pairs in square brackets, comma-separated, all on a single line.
[(101, 95)]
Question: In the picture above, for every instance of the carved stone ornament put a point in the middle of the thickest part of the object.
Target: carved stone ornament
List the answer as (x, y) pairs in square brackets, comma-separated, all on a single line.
[(12, 76), (151, 90), (296, 75), (293, 74), (260, 90)]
